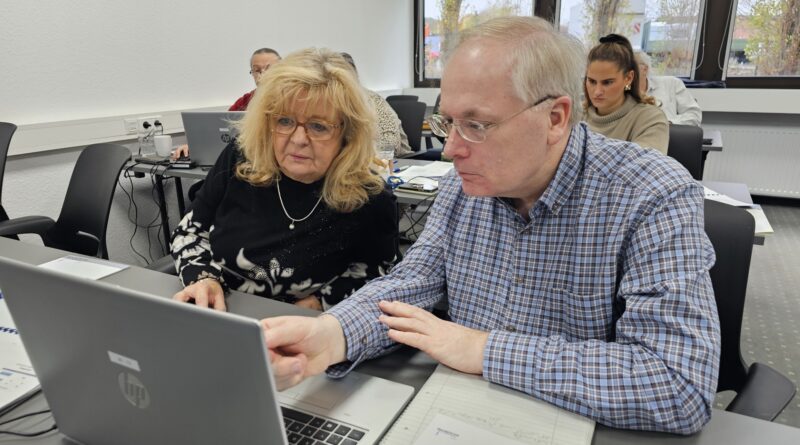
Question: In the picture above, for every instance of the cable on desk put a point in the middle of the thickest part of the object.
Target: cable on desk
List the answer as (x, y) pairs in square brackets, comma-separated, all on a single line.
[(25, 416), (33, 434)]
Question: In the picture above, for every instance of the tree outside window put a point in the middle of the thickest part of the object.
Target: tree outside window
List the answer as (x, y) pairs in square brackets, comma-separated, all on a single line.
[(445, 18), (766, 39), (665, 29)]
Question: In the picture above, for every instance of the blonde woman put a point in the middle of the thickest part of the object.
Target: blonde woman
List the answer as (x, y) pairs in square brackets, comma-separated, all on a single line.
[(291, 210)]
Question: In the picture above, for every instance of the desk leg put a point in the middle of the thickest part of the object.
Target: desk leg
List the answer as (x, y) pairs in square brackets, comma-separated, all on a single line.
[(703, 163), (179, 192), (162, 208)]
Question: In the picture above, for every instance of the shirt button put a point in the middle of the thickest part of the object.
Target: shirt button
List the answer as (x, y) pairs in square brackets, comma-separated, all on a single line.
[(519, 279), (511, 328)]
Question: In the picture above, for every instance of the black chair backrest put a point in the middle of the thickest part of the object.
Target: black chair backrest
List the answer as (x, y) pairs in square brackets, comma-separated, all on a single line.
[(81, 225), (686, 146), (411, 114), (6, 131), (402, 97), (730, 230)]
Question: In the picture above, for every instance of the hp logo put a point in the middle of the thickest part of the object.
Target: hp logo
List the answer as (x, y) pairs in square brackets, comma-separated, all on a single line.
[(133, 390)]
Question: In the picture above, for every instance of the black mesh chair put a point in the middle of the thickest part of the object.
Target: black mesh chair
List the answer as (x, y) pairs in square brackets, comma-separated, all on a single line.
[(761, 391), (81, 225), (686, 146), (411, 114), (395, 97), (6, 132)]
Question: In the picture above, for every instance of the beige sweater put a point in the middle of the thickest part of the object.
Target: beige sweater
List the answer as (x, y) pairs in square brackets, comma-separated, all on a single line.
[(641, 123)]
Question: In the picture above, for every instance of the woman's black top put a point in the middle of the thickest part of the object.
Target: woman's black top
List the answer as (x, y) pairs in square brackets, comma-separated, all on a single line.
[(239, 234)]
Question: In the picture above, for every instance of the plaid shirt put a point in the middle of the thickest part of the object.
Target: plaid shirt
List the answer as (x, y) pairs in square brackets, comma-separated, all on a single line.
[(601, 304)]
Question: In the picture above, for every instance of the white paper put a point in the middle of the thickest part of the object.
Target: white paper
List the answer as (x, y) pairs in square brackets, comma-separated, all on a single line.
[(91, 268), (725, 199), (502, 411), (763, 226), (433, 169), (17, 378), (446, 430)]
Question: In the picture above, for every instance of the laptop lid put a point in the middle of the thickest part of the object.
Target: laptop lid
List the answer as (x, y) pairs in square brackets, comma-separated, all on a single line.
[(126, 367), (208, 133)]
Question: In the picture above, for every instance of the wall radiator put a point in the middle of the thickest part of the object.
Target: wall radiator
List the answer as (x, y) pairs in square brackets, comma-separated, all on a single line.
[(762, 152)]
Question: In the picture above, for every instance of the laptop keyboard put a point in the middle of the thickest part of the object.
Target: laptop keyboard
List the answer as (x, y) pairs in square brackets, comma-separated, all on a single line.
[(305, 429)]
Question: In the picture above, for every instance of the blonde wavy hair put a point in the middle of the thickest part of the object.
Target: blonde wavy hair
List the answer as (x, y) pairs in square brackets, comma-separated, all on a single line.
[(317, 76)]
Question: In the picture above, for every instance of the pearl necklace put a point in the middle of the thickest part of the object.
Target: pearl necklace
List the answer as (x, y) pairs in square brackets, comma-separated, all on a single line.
[(293, 220)]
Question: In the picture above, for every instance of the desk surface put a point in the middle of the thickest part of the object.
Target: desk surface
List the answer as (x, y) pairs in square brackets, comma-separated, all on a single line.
[(407, 366), (716, 140)]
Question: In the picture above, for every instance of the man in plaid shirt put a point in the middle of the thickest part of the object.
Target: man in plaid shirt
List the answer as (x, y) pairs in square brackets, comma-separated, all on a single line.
[(575, 266)]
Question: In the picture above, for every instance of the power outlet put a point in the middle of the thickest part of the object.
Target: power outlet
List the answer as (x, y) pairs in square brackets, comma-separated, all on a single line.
[(149, 121), (131, 126)]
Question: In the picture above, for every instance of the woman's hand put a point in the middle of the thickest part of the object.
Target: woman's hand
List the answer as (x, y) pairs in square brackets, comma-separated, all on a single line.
[(310, 302), (206, 292)]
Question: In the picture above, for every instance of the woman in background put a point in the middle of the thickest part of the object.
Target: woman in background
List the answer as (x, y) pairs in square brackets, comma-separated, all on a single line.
[(613, 103)]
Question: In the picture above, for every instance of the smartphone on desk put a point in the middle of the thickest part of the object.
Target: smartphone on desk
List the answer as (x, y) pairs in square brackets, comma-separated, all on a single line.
[(418, 187)]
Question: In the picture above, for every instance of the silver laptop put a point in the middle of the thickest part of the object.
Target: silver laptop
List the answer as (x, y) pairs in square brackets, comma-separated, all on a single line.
[(125, 367), (208, 133)]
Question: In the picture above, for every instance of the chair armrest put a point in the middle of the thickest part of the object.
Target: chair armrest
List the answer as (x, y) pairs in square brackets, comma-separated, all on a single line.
[(26, 224), (165, 264), (765, 393)]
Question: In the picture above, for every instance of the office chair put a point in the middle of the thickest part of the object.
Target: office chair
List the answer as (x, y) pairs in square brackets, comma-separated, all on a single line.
[(81, 225), (686, 146), (6, 132), (395, 97), (411, 114), (761, 391)]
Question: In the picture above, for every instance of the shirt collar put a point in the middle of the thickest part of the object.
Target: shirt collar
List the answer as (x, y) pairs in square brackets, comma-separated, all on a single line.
[(569, 168)]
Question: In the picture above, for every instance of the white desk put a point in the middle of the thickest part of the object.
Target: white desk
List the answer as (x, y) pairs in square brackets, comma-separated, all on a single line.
[(406, 366)]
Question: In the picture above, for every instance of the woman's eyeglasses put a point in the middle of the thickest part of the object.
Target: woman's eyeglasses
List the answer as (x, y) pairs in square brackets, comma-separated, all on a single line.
[(317, 130)]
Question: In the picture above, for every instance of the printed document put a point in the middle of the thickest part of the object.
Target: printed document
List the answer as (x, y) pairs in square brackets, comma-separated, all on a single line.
[(457, 408)]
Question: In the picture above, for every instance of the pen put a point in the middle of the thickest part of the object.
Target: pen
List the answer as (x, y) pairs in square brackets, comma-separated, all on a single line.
[(401, 168)]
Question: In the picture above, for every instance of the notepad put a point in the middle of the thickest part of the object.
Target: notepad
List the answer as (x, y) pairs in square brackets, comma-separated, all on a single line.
[(17, 379), (449, 400), (91, 268)]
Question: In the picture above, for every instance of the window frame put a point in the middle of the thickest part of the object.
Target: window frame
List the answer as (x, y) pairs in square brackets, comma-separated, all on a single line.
[(716, 27)]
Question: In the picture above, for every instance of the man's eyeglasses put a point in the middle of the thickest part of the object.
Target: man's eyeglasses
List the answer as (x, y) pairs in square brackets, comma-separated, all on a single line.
[(258, 70), (316, 130), (472, 130)]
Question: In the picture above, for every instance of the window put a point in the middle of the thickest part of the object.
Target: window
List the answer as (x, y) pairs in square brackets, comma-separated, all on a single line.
[(443, 19), (766, 39), (666, 30)]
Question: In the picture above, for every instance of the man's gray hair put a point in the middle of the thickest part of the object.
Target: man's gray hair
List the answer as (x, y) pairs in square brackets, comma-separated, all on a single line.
[(544, 61), (642, 57)]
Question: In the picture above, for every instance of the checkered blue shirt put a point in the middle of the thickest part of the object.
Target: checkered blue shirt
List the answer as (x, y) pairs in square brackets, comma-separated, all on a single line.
[(601, 304)]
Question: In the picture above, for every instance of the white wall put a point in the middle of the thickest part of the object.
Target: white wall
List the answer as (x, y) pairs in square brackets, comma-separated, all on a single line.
[(69, 71)]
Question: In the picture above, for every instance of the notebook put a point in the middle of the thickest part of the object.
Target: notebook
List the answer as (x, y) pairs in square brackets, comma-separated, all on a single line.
[(125, 367), (208, 133)]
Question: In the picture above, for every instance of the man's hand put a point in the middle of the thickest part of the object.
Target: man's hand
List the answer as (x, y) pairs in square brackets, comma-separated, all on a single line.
[(301, 347), (456, 346), (179, 152), (205, 293)]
